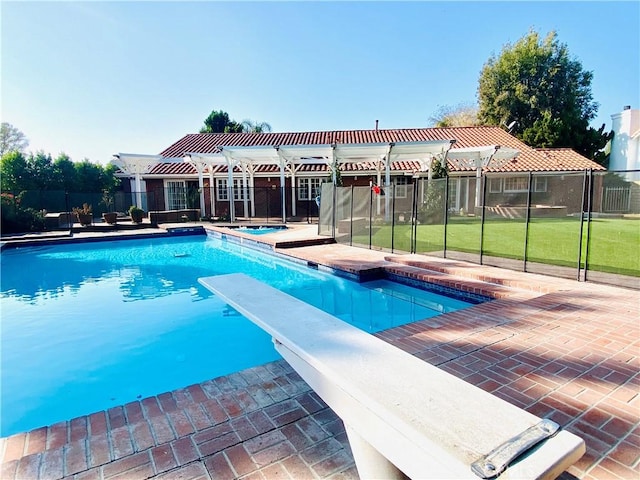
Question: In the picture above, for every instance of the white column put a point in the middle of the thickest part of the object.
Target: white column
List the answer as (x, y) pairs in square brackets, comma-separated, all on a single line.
[(200, 168), (388, 190), (282, 192), (231, 192), (252, 197), (245, 196), (138, 189), (293, 190), (478, 183), (212, 192)]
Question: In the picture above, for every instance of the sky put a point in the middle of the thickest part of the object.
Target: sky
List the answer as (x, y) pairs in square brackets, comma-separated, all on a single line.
[(92, 79)]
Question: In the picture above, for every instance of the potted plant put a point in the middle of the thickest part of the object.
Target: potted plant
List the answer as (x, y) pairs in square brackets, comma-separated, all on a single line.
[(84, 215), (108, 216), (136, 214)]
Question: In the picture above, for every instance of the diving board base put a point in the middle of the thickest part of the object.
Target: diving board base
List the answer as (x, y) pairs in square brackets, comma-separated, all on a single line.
[(403, 416)]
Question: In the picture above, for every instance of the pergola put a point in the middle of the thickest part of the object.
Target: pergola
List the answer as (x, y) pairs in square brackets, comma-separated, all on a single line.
[(289, 159), (493, 156), (136, 165)]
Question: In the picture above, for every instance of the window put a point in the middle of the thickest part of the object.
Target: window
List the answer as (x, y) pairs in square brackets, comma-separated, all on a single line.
[(309, 188), (539, 184), (223, 190), (176, 194), (495, 185), (516, 184), (401, 186)]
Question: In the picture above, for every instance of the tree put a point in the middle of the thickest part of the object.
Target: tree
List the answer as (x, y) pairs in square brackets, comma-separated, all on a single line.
[(249, 126), (40, 171), (219, 122), (11, 139), (14, 172), (536, 84), (89, 177), (461, 115), (64, 173)]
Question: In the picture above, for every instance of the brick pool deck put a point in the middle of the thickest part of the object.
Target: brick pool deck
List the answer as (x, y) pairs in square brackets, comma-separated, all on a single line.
[(557, 348)]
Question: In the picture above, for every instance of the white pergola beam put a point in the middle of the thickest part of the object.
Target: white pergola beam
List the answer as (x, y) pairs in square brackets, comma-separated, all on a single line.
[(136, 164), (199, 161), (488, 156)]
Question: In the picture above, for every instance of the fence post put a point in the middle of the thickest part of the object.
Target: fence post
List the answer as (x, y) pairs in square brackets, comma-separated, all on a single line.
[(351, 219), (370, 216), (527, 218), (66, 204), (483, 179), (333, 211), (393, 214), (414, 217), (588, 241), (446, 216)]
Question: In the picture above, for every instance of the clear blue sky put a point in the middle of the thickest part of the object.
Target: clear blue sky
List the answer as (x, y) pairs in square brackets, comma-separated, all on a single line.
[(93, 79)]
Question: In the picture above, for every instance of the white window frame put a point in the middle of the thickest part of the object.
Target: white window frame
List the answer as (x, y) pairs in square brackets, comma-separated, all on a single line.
[(401, 186), (309, 187), (176, 194), (509, 189), (492, 184), (540, 184), (222, 192)]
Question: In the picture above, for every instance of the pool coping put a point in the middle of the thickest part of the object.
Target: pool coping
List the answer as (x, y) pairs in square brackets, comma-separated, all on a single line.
[(561, 349)]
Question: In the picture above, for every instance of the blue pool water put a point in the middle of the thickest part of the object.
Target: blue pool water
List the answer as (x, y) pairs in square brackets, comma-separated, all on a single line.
[(260, 230), (90, 326)]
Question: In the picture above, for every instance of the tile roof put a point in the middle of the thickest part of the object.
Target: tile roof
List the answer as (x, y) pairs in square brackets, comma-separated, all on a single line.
[(529, 159)]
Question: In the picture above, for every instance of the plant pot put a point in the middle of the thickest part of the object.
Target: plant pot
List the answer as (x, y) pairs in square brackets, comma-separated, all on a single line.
[(110, 217), (85, 219), (136, 217)]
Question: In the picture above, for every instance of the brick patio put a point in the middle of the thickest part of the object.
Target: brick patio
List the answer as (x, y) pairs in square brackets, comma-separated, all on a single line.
[(560, 349)]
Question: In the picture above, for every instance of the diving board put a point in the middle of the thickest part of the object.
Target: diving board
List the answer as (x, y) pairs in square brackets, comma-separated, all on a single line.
[(402, 415)]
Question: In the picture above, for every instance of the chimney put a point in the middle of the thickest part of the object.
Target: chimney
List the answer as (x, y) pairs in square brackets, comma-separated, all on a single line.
[(626, 107), (377, 124)]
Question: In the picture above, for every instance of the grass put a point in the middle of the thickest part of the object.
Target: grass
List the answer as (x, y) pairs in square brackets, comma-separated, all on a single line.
[(614, 244)]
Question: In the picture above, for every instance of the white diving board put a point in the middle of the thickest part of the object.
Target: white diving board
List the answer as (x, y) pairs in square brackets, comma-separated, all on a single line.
[(402, 415)]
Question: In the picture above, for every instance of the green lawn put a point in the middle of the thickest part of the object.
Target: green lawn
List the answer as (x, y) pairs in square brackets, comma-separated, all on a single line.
[(614, 244)]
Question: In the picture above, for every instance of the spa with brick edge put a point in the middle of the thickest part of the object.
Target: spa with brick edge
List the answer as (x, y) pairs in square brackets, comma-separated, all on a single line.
[(557, 348)]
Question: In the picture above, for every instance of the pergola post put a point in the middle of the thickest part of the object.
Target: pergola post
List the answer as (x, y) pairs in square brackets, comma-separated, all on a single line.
[(479, 158), (136, 165), (200, 162), (282, 192), (292, 170), (212, 191), (245, 192), (231, 193), (387, 184), (252, 198)]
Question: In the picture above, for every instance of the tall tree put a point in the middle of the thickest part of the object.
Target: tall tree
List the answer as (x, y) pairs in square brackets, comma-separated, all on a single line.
[(250, 126), (40, 170), (11, 139), (539, 86), (218, 121), (64, 173), (89, 177), (461, 115), (14, 172)]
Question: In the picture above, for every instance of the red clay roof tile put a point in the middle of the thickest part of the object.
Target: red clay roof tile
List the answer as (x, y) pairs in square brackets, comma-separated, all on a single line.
[(529, 159)]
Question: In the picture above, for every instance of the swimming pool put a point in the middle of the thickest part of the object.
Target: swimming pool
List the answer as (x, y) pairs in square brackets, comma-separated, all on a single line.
[(86, 327), (260, 230)]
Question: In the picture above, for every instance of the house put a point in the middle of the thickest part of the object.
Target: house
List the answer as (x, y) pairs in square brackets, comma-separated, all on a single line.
[(194, 171)]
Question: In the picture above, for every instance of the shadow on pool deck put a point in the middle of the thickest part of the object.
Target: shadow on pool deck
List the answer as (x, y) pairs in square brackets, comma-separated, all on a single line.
[(560, 349)]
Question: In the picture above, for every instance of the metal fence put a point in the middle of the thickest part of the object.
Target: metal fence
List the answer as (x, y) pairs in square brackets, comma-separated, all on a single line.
[(259, 204), (583, 225)]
